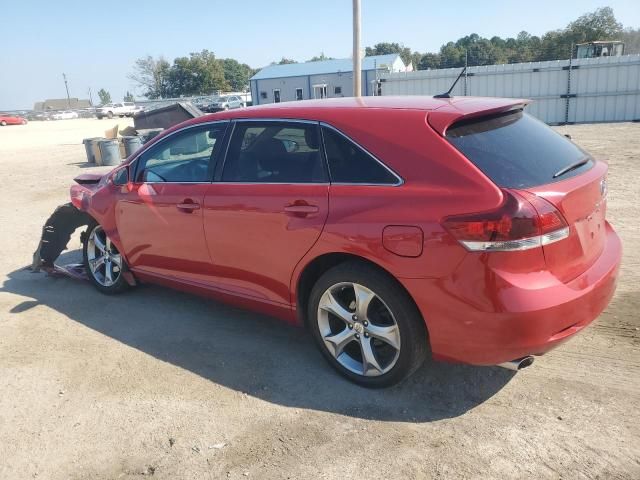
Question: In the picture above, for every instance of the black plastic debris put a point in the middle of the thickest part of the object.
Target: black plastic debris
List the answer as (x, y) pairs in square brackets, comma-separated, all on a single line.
[(165, 117), (56, 234)]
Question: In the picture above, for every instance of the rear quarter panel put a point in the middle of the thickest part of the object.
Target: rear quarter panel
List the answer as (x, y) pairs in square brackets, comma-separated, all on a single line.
[(437, 182)]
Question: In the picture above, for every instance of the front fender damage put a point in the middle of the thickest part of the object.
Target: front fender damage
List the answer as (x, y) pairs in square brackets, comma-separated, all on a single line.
[(56, 234)]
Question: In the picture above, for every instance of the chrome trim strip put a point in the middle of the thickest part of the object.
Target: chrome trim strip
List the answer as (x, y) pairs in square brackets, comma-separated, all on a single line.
[(519, 244), (233, 121)]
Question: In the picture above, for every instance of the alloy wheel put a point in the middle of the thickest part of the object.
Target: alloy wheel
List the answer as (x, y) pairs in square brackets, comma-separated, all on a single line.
[(104, 260), (358, 329)]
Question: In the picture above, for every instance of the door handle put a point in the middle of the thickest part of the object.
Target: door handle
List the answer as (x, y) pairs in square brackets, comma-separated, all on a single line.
[(301, 210), (188, 206)]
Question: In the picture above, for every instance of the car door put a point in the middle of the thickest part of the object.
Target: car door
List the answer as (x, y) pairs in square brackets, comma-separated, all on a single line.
[(160, 218), (267, 207)]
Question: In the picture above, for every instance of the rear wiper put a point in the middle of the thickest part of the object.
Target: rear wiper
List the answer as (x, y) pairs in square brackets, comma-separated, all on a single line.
[(573, 166)]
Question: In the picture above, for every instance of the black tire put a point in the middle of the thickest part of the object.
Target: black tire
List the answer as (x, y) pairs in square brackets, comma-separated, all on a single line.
[(3, 123), (99, 117), (109, 115), (120, 285), (414, 343)]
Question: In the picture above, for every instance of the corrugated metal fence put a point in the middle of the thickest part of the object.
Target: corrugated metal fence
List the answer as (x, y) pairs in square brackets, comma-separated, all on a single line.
[(564, 91)]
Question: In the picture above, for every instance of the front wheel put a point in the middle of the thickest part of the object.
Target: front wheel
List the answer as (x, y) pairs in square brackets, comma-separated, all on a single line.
[(3, 123), (110, 115), (366, 325), (103, 263)]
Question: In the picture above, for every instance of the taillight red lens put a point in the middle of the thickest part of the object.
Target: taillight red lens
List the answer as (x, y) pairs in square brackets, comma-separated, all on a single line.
[(519, 224)]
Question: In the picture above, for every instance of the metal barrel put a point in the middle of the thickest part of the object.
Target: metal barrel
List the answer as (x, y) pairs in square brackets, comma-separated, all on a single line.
[(95, 149), (131, 145), (91, 158), (110, 151)]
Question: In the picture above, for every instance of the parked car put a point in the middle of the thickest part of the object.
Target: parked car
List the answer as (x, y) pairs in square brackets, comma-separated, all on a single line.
[(64, 115), (394, 228), (122, 109), (7, 119), (223, 103)]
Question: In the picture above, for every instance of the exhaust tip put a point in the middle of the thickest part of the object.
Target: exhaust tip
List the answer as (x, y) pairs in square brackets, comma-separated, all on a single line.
[(518, 364)]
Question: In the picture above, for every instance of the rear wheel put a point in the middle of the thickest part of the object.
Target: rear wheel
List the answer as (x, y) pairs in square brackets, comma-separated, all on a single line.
[(366, 326), (3, 123), (103, 263)]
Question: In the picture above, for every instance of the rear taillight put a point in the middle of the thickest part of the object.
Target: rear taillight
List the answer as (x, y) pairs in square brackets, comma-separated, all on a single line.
[(523, 221)]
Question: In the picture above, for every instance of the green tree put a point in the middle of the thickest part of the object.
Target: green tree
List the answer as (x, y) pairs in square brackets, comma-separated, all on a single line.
[(598, 25), (285, 61), (198, 74), (105, 97), (319, 58), (631, 39), (128, 97), (152, 75), (386, 48), (428, 61), (236, 74)]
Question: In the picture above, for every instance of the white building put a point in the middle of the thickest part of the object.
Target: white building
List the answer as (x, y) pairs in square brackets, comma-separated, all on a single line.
[(322, 79)]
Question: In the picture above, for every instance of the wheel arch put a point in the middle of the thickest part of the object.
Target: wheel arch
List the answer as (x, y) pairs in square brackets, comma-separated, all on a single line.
[(315, 268)]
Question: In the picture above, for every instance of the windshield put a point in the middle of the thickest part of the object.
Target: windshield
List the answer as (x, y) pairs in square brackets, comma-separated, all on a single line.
[(515, 150)]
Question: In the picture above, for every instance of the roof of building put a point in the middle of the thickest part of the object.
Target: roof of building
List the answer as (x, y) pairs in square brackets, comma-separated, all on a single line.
[(323, 67), (61, 104)]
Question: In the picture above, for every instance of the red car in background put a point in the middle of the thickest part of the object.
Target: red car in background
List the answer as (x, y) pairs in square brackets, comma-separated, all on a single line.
[(394, 228), (6, 119)]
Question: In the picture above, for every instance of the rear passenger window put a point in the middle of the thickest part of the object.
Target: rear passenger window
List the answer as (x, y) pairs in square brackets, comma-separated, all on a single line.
[(348, 163), (274, 152)]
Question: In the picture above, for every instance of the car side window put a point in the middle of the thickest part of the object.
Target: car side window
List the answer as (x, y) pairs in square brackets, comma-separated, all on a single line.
[(275, 152), (348, 163), (184, 157)]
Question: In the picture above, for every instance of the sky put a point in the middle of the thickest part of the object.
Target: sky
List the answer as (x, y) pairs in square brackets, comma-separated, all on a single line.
[(97, 48)]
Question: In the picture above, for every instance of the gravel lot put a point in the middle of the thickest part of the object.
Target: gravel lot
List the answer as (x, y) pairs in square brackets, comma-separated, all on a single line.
[(163, 384)]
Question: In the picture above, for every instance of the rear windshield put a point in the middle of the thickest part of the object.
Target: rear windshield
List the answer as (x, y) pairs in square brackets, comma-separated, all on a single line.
[(516, 150)]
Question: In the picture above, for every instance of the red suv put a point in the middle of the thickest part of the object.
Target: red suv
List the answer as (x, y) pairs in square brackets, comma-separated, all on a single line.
[(394, 228)]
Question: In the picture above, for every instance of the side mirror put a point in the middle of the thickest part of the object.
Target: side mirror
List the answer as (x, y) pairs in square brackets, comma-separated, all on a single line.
[(121, 177), (568, 136)]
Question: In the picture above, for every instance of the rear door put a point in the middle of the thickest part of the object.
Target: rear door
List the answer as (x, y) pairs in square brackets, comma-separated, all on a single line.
[(268, 207), (517, 151)]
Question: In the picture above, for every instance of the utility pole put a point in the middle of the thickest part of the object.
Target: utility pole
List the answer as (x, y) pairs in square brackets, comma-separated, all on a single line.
[(90, 97), (357, 64), (66, 85)]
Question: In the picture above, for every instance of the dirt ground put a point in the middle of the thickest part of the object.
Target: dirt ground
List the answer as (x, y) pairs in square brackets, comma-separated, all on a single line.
[(163, 384)]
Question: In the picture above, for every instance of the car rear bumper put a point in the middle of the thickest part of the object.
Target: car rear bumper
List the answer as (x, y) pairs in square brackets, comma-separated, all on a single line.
[(523, 314)]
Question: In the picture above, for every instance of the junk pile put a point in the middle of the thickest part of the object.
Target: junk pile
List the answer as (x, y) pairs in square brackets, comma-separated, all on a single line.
[(117, 145)]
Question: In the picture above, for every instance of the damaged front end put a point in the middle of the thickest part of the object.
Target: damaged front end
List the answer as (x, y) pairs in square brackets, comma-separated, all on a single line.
[(59, 227)]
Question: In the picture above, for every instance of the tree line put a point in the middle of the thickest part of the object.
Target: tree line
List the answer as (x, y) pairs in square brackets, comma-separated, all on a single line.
[(201, 73), (473, 49)]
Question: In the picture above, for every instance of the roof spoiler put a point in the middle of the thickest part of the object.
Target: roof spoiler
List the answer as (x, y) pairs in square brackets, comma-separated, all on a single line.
[(470, 107)]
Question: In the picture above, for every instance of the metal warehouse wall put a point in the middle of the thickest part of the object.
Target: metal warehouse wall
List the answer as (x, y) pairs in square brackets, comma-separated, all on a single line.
[(564, 91)]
